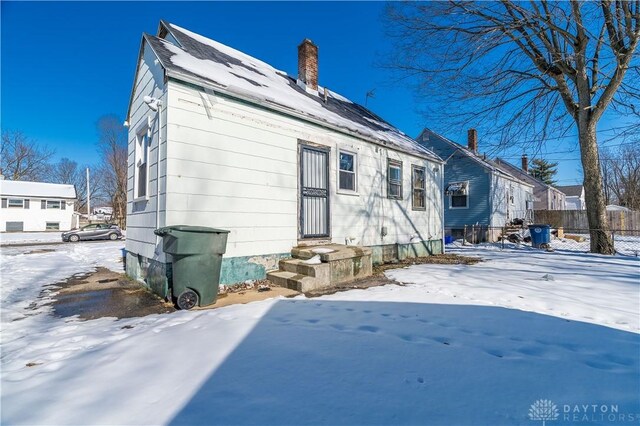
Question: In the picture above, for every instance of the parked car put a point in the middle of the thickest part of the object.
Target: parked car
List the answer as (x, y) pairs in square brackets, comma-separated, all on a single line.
[(95, 231)]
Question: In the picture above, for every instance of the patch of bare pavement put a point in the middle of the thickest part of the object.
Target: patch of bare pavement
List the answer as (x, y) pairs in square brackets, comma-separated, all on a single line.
[(105, 293)]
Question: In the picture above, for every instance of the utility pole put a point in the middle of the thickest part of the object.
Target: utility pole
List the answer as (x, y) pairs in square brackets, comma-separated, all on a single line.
[(88, 196)]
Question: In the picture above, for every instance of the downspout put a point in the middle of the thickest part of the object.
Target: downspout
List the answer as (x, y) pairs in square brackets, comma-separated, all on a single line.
[(158, 170), (442, 203), (490, 222)]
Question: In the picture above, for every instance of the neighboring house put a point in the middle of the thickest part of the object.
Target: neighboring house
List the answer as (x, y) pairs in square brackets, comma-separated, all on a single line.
[(276, 160), (545, 197), (477, 191), (36, 206), (575, 197)]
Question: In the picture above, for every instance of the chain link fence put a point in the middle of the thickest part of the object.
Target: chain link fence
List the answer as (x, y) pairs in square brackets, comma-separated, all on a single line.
[(625, 241)]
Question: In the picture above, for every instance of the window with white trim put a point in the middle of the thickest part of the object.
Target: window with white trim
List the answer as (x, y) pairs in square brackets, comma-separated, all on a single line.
[(458, 193), (52, 226), (51, 204), (141, 164), (347, 171), (15, 203), (394, 179), (418, 183)]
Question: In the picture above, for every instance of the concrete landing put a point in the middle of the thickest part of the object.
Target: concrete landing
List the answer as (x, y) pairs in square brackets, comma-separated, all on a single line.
[(322, 267)]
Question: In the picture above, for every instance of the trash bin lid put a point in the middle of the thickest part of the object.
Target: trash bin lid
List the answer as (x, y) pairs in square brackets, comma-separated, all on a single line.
[(200, 229)]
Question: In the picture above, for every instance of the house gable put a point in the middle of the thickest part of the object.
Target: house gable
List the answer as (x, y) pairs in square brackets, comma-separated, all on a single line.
[(198, 60)]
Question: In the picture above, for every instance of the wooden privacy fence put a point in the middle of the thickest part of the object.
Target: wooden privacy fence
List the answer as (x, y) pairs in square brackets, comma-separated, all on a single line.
[(577, 219)]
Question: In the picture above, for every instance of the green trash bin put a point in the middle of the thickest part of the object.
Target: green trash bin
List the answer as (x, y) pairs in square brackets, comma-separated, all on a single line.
[(196, 253)]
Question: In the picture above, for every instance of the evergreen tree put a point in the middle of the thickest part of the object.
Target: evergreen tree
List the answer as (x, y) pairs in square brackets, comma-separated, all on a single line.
[(543, 170)]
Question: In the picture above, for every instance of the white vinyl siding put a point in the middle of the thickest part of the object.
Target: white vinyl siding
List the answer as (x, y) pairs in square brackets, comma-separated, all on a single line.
[(232, 166)]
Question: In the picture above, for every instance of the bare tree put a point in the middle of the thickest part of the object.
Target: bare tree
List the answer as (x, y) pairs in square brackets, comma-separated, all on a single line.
[(112, 144), (22, 158), (68, 172), (527, 71), (621, 175)]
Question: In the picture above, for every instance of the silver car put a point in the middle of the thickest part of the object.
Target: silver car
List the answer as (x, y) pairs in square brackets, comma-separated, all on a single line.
[(95, 231)]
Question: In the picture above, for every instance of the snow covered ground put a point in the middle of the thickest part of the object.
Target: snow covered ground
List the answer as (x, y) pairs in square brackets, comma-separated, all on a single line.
[(455, 345), (29, 237), (20, 238)]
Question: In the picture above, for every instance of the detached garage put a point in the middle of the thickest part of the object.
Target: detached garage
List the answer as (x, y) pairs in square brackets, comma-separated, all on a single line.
[(36, 206)]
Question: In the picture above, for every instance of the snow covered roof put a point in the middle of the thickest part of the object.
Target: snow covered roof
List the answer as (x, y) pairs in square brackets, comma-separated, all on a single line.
[(510, 168), (200, 60), (571, 190), (484, 162), (36, 189)]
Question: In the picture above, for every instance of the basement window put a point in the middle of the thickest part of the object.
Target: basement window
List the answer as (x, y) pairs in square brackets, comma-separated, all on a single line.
[(52, 226)]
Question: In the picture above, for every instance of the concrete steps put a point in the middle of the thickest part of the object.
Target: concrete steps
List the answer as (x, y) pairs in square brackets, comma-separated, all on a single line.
[(338, 264)]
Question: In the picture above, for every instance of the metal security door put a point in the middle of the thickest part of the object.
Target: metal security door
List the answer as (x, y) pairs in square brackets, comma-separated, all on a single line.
[(314, 192)]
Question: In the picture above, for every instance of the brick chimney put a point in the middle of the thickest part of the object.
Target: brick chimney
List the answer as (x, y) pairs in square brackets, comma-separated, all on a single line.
[(525, 163), (472, 140), (308, 64)]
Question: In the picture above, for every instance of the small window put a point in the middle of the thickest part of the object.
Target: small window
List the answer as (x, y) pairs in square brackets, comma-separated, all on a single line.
[(141, 181), (458, 195), (510, 195), (15, 226), (347, 171), (16, 203), (51, 204), (52, 226), (394, 179), (419, 187)]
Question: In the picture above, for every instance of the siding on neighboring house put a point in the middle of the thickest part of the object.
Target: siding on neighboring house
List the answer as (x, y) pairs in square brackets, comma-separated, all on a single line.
[(461, 168), (546, 197), (34, 218), (504, 209), (488, 186)]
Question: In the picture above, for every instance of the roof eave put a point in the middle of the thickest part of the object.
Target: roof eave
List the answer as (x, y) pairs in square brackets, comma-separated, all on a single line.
[(143, 39)]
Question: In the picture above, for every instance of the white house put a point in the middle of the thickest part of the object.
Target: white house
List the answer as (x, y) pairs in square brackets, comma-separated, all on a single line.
[(274, 159), (574, 196), (36, 206)]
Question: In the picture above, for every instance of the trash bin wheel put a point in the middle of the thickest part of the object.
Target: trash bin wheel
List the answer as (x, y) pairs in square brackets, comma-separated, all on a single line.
[(187, 299)]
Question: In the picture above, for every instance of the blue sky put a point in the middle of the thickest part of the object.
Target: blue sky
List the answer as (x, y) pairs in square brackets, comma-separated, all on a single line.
[(65, 64)]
